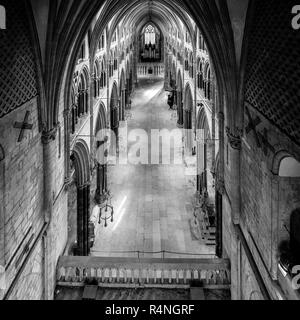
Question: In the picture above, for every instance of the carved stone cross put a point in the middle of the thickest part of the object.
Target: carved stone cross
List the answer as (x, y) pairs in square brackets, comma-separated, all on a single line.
[(23, 126)]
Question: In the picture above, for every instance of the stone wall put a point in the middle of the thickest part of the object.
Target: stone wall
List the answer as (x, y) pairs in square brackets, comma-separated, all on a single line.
[(23, 215), (30, 285), (21, 189)]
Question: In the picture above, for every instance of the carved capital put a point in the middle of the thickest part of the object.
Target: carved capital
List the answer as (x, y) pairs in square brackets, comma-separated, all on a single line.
[(48, 136), (235, 137)]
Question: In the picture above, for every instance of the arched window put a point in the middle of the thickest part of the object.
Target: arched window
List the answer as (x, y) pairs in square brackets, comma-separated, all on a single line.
[(289, 167), (150, 35)]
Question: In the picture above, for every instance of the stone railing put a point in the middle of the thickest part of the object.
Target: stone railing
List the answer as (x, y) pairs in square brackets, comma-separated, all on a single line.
[(78, 271), (145, 69)]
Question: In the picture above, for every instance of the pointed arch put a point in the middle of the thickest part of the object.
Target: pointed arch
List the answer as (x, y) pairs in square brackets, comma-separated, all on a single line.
[(202, 123), (101, 119), (122, 81), (188, 98), (114, 106), (81, 161)]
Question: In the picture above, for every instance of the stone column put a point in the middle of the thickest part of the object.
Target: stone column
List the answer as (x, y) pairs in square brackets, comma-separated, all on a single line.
[(83, 216), (123, 103), (67, 130), (49, 154), (135, 63), (213, 107), (275, 224), (221, 172), (234, 139)]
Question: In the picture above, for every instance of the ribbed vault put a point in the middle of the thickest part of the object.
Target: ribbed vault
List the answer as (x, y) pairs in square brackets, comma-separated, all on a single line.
[(64, 40)]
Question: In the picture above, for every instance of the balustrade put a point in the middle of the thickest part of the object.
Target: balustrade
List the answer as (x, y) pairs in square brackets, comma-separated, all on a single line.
[(148, 272)]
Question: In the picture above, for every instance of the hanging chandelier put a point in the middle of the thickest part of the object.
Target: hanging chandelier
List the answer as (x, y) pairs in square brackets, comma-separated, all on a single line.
[(106, 210)]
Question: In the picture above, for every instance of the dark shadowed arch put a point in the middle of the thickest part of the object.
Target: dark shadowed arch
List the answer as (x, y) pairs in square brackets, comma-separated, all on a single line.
[(188, 107), (180, 100), (114, 115), (81, 161)]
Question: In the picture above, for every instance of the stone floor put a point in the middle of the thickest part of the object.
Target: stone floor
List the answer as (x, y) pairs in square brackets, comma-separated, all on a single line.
[(153, 203)]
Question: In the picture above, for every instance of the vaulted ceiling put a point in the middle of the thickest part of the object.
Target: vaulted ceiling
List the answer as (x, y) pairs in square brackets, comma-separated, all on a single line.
[(62, 24)]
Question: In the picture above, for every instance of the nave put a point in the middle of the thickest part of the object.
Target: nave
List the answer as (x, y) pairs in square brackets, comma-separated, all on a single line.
[(154, 203)]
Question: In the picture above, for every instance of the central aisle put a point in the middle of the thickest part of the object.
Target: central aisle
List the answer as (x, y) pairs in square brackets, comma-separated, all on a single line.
[(153, 203)]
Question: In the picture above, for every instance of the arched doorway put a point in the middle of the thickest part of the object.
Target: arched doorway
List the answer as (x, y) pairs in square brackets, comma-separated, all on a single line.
[(80, 165), (188, 118)]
